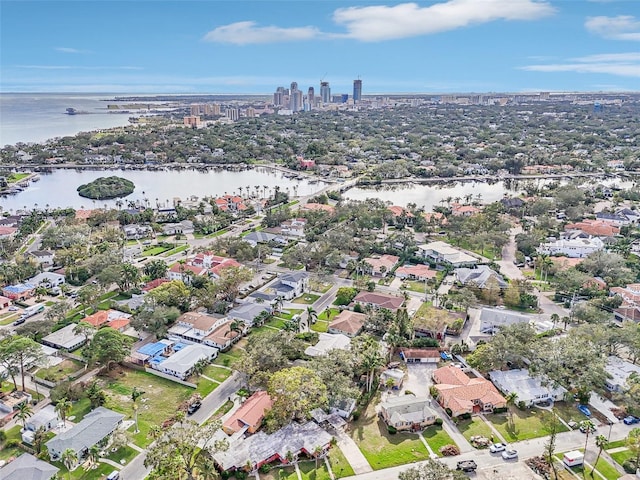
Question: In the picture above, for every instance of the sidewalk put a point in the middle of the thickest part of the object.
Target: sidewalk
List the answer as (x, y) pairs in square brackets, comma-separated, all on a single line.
[(353, 454)]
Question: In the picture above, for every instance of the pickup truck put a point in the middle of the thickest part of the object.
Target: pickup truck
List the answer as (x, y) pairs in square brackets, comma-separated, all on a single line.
[(467, 466)]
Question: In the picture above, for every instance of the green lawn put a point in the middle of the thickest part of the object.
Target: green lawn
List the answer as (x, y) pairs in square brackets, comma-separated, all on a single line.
[(227, 358), (289, 313), (382, 449), (153, 251), (568, 411), (414, 286), (329, 314), (173, 251), (526, 424), (161, 398), (125, 453), (605, 469), (217, 373), (319, 286), (8, 318), (12, 434), (60, 371), (339, 464), (204, 386), (276, 322), (321, 326), (79, 409), (16, 177), (306, 299), (617, 444), (436, 437), (475, 426), (621, 456)]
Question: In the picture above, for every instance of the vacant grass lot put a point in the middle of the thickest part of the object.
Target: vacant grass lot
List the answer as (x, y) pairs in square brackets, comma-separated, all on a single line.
[(321, 326), (160, 400), (217, 373), (227, 359), (473, 427), (381, 449), (524, 424), (60, 371)]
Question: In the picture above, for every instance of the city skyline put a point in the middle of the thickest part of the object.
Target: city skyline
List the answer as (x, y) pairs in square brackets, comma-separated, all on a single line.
[(242, 47)]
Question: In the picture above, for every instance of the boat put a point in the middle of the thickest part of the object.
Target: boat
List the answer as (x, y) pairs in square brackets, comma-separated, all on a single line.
[(73, 111)]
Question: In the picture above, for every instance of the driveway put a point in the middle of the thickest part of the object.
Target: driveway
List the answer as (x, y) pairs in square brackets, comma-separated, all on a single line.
[(419, 378)]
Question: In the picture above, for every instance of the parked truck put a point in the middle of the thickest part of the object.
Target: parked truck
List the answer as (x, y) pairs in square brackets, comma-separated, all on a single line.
[(29, 312)]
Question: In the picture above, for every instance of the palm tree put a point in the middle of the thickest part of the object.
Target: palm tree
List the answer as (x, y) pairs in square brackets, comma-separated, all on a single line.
[(588, 427), (155, 432), (511, 401), (62, 408), (235, 326), (601, 443), (93, 455), (199, 367), (24, 412), (312, 315), (69, 459), (135, 395), (39, 437), (279, 302), (316, 453)]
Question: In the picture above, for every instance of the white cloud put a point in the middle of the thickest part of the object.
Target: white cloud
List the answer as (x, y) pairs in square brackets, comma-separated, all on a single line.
[(376, 23), (381, 22), (245, 33), (622, 27), (70, 50), (620, 64)]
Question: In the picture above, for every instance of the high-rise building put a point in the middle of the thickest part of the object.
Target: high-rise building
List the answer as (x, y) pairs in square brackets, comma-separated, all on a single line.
[(294, 86), (233, 113), (311, 97), (325, 92), (278, 97), (357, 90), (295, 101)]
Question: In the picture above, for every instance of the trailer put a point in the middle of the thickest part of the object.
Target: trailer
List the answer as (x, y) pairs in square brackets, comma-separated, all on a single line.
[(574, 458)]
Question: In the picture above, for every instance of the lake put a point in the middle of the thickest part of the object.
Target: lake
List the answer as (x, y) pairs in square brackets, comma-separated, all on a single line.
[(59, 188)]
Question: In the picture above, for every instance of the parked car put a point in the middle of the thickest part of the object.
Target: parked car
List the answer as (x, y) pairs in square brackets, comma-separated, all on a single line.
[(497, 447), (467, 466), (191, 409), (630, 420), (445, 356), (13, 309), (510, 454), (584, 428), (20, 321), (585, 410)]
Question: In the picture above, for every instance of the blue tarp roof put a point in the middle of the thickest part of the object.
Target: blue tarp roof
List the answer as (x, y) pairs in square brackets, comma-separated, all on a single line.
[(19, 288), (152, 349)]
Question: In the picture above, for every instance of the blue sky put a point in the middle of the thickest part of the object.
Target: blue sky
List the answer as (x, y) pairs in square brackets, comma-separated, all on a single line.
[(236, 46)]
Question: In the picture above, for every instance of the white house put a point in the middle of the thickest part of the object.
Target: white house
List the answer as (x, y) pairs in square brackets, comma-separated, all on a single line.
[(42, 257), (291, 285), (528, 389), (47, 418), (572, 248), (194, 326), (135, 231), (442, 252), (408, 412), (293, 227), (65, 338), (181, 363), (47, 279), (183, 227), (492, 319), (327, 342), (620, 370)]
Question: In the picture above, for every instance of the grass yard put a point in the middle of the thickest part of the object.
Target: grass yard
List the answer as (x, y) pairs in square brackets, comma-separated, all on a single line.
[(606, 469), (289, 313), (436, 437), (617, 444), (12, 434), (414, 286), (621, 456), (153, 251), (80, 473), (329, 314), (217, 373), (8, 318), (339, 464), (227, 359), (79, 409), (173, 251), (125, 453), (160, 400), (473, 427), (568, 411), (60, 371), (204, 386), (276, 322), (320, 286), (321, 326), (526, 424), (381, 449), (306, 299)]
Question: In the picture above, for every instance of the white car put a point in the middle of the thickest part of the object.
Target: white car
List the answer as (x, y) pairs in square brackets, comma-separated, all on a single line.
[(497, 447), (509, 454)]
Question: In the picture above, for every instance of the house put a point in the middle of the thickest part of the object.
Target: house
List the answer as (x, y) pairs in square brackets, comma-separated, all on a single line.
[(348, 323), (328, 342), (195, 326), (595, 228), (260, 449), (19, 291), (627, 312), (420, 355), (255, 238), (184, 227), (135, 232), (632, 215), (393, 377), (47, 279), (180, 364), (510, 203), (65, 338), (248, 312), (28, 467), (492, 319), (379, 300), (380, 265), (619, 371), (442, 252), (291, 285), (616, 219), (344, 408), (529, 390), (460, 394), (184, 272), (231, 203), (294, 227), (106, 318), (7, 232), (4, 302), (421, 273), (93, 429), (249, 416), (46, 419), (434, 218), (154, 284), (149, 351), (401, 214), (437, 322), (222, 337), (479, 276), (43, 258), (407, 412), (573, 248), (458, 210)]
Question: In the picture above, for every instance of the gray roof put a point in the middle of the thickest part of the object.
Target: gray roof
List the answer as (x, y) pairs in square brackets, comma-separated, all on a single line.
[(41, 417), (185, 359), (27, 467), (95, 426), (264, 237), (64, 338), (261, 446), (293, 277), (408, 408), (491, 319), (247, 312), (479, 276)]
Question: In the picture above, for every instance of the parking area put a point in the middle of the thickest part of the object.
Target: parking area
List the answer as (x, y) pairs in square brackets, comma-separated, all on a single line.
[(418, 378)]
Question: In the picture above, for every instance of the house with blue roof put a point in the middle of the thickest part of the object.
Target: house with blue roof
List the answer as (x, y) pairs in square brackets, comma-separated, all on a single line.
[(20, 291)]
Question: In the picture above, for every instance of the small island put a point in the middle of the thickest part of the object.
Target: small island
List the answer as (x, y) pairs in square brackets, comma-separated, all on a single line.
[(104, 188)]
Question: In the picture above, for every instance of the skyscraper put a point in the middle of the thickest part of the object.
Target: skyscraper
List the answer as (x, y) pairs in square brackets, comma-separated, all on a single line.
[(311, 97), (278, 97), (325, 92), (357, 90)]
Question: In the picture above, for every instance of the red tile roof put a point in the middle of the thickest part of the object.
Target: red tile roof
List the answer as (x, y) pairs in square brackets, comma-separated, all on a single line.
[(349, 322), (250, 413)]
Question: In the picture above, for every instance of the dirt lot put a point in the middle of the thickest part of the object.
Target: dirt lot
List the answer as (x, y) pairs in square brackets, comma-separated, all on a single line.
[(418, 378), (508, 471)]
